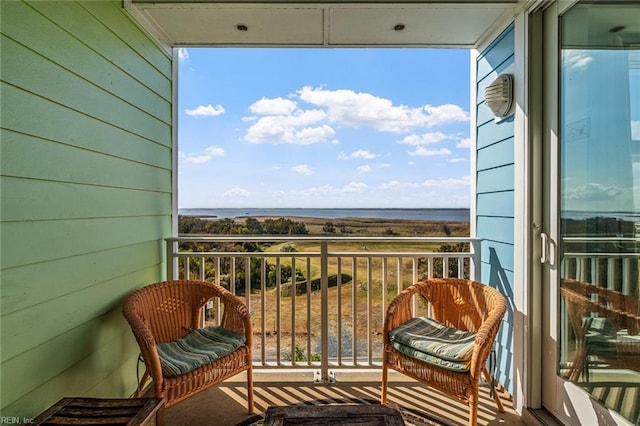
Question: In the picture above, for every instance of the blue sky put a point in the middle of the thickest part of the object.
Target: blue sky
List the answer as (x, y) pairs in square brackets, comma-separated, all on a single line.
[(323, 128)]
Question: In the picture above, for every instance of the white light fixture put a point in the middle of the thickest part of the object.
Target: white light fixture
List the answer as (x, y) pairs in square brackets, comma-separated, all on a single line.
[(499, 95)]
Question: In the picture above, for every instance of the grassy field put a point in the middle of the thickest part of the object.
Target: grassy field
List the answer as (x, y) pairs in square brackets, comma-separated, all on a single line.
[(359, 291)]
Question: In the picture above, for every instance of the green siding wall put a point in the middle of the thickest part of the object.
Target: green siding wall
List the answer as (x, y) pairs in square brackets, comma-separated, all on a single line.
[(495, 192), (85, 187)]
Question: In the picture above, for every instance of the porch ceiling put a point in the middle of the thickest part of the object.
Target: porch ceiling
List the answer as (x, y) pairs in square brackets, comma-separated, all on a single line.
[(317, 24)]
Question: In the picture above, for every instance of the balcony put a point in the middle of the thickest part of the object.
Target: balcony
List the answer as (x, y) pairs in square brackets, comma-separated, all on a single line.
[(320, 340), (333, 320)]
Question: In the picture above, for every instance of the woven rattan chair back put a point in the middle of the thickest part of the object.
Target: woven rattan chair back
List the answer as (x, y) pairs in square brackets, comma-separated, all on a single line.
[(166, 311), (462, 304)]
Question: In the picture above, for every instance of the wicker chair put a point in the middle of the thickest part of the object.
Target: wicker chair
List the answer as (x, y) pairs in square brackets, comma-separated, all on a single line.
[(596, 315), (461, 306), (160, 314)]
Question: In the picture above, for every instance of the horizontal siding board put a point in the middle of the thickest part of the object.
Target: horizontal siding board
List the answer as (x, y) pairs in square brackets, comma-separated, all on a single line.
[(496, 155), (27, 330), (492, 132), (495, 228), (107, 364), (500, 278), (29, 200), (484, 114), (497, 252), (22, 286), (497, 179), (62, 163), (86, 28), (489, 78), (112, 15), (105, 332), (79, 59), (496, 53), (34, 242), (22, 112), (65, 88), (495, 204)]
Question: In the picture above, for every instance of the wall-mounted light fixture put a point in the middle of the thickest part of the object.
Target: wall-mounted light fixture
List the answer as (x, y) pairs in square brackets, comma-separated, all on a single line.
[(499, 95)]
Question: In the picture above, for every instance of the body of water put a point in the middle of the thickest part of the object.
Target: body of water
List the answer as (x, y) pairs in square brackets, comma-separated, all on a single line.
[(450, 215)]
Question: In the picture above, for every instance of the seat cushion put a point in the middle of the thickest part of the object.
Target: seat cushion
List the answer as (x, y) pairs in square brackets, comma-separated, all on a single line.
[(430, 341), (198, 348)]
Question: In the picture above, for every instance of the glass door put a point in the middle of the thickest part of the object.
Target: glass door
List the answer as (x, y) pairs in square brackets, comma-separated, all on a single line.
[(591, 251)]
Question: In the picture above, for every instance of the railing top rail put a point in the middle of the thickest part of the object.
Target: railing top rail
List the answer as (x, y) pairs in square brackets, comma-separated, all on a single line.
[(599, 239), (361, 254), (275, 238)]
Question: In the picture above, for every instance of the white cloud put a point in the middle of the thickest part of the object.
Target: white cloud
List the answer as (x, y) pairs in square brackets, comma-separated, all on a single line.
[(360, 154), (364, 169), (424, 152), (294, 129), (364, 109), (203, 156), (354, 187), (447, 183), (310, 135), (203, 110), (576, 59), (593, 192), (303, 169), (183, 54), (281, 120), (444, 114), (400, 186), (464, 143), (329, 191), (236, 193), (276, 106), (424, 139), (457, 160)]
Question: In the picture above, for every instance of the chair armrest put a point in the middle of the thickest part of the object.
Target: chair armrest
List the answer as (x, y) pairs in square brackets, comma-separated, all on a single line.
[(487, 331)]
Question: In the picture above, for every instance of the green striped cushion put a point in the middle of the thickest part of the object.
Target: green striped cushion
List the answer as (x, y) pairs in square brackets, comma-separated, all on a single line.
[(198, 348), (433, 342)]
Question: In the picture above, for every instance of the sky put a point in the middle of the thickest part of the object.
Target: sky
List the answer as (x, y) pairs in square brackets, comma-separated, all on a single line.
[(323, 128)]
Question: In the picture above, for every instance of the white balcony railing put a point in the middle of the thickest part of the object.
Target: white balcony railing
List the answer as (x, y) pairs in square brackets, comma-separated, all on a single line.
[(610, 262), (333, 317)]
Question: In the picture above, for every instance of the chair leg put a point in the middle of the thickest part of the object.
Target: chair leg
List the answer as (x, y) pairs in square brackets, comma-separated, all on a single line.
[(473, 409), (140, 388), (385, 377), (250, 405), (496, 397)]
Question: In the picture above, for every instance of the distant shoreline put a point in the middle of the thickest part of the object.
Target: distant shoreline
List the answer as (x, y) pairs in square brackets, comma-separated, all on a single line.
[(427, 214)]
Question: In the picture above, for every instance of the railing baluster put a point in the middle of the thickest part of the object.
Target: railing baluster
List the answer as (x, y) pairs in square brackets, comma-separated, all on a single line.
[(324, 309), (309, 353), (339, 313), (330, 260), (369, 311), (263, 311), (232, 276), (278, 330), (354, 312), (293, 310)]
